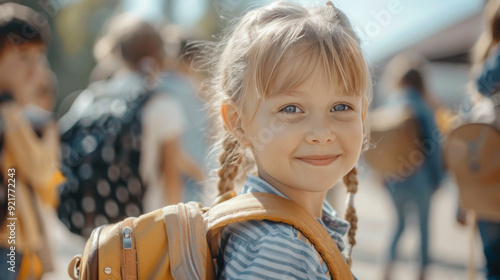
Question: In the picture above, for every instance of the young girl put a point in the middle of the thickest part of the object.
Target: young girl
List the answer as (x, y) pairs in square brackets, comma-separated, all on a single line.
[(291, 89)]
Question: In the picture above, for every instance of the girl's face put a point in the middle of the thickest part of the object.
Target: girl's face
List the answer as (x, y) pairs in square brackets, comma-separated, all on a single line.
[(307, 139)]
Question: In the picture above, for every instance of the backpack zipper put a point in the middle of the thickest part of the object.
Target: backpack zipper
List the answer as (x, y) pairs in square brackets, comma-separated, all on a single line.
[(129, 250), (127, 240)]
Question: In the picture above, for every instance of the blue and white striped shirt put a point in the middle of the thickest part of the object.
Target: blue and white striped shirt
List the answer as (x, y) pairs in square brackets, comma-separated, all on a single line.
[(269, 250)]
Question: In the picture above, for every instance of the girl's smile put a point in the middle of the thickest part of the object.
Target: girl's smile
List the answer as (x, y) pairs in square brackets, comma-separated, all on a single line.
[(318, 160)]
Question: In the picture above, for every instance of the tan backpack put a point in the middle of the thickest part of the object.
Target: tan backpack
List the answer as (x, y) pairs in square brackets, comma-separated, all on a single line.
[(472, 153), (181, 241), (394, 133)]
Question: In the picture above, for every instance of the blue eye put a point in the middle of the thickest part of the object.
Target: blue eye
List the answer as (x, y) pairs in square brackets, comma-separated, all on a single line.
[(291, 109), (341, 107)]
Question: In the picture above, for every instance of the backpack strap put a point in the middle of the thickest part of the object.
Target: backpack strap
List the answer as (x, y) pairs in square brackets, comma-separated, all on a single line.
[(266, 206)]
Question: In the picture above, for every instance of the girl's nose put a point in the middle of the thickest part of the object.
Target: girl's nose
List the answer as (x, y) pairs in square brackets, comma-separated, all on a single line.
[(320, 133)]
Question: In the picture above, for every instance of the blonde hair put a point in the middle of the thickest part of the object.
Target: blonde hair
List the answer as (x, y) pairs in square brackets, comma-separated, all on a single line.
[(490, 36), (256, 58)]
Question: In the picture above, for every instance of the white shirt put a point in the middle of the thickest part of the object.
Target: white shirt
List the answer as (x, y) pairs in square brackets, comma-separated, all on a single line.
[(162, 120)]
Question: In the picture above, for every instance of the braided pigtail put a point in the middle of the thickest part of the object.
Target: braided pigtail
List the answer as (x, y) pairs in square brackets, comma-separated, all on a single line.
[(351, 183), (230, 160)]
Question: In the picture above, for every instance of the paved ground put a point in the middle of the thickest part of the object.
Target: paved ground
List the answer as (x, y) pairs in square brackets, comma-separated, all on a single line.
[(449, 241)]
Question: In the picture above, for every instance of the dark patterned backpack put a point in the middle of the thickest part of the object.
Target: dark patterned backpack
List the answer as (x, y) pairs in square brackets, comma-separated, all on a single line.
[(101, 143)]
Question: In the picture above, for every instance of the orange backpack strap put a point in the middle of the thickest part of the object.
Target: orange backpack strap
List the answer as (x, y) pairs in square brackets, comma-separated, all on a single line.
[(265, 206)]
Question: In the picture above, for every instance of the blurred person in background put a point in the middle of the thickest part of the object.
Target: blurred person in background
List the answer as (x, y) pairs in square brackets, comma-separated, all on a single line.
[(182, 80), (405, 75), (486, 66), (122, 137), (29, 147), (179, 92), (486, 109)]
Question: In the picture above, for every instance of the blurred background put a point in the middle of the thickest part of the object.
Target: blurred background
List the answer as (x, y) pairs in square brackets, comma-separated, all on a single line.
[(444, 32), (441, 31)]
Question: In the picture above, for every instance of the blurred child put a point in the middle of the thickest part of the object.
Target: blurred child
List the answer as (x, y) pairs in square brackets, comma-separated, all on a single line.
[(290, 86), (415, 189), (29, 160), (137, 160), (183, 84)]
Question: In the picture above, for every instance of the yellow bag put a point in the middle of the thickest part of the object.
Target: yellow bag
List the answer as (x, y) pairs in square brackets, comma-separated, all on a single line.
[(180, 241), (472, 153)]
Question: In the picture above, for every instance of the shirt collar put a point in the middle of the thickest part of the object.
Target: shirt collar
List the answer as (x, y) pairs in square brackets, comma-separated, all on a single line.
[(329, 219)]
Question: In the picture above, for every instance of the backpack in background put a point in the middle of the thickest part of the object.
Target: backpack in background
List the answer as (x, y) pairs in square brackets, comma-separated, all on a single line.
[(101, 143), (181, 241), (472, 153), (394, 134)]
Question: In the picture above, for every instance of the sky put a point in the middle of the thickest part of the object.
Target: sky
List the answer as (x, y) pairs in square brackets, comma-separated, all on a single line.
[(385, 26)]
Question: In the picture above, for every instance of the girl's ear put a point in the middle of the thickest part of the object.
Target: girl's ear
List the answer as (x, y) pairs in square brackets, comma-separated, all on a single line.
[(230, 116), (232, 121)]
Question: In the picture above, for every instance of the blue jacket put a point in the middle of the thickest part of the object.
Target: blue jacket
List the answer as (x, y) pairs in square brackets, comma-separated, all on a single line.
[(488, 82), (431, 172)]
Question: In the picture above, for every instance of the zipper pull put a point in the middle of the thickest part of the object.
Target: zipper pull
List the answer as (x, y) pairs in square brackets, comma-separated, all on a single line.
[(127, 240)]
